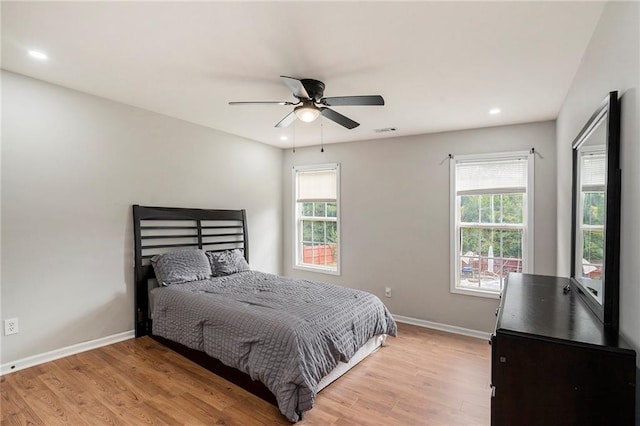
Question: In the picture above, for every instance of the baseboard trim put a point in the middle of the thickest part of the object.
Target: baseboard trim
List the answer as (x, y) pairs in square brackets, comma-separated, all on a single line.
[(21, 364), (443, 327), (31, 361)]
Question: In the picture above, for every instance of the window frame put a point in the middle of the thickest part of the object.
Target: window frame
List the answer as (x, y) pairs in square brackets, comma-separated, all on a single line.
[(297, 220), (454, 209)]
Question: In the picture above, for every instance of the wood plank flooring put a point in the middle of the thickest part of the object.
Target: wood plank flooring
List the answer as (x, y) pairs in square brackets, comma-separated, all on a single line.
[(422, 377)]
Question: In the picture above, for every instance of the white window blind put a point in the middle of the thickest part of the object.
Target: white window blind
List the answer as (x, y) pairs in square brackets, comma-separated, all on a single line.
[(593, 171), (317, 186), (493, 177)]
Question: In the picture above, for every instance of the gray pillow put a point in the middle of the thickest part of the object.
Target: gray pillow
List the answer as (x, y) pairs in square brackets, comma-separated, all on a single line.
[(228, 262), (181, 266)]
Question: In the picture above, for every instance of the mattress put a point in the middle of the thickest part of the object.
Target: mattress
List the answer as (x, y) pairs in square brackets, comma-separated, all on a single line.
[(367, 349)]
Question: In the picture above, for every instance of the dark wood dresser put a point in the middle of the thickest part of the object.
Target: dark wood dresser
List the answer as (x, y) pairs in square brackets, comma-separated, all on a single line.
[(552, 363)]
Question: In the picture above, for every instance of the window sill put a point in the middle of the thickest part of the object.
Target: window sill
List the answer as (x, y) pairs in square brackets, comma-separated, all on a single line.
[(319, 269), (477, 293)]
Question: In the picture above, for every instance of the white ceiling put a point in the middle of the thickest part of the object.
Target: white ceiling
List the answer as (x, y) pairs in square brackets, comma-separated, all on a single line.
[(439, 65)]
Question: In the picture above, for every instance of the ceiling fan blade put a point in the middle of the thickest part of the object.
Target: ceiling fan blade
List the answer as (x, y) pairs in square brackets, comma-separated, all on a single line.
[(288, 119), (353, 100), (339, 118), (262, 103), (296, 87)]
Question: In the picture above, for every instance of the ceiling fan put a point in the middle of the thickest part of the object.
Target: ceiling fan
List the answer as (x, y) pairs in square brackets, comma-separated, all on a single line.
[(311, 103)]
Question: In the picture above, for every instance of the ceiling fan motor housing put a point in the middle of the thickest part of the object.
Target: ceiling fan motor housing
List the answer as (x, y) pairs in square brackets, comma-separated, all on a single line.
[(314, 88)]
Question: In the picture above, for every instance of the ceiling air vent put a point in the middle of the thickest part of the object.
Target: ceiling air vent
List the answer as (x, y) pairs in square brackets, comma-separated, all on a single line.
[(385, 130)]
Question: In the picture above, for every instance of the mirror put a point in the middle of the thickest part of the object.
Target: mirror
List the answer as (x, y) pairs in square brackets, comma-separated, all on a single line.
[(595, 235)]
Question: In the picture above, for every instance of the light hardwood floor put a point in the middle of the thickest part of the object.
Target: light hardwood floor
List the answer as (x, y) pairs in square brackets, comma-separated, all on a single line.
[(422, 377)]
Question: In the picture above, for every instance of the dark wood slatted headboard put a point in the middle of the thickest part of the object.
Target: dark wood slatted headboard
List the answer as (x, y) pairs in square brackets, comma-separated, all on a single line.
[(158, 230)]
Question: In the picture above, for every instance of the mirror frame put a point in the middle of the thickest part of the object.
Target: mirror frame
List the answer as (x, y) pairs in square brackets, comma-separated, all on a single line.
[(608, 312)]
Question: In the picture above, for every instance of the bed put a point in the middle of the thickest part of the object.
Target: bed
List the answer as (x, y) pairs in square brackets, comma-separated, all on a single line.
[(280, 338)]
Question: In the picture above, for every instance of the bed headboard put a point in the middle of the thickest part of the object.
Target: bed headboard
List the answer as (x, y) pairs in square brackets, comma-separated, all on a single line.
[(158, 230)]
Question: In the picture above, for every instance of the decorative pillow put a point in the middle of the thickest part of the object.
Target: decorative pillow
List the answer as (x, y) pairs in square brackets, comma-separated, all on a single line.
[(181, 266), (228, 262)]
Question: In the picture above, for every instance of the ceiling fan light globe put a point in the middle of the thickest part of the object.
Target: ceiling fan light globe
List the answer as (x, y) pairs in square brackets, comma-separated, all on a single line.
[(307, 114)]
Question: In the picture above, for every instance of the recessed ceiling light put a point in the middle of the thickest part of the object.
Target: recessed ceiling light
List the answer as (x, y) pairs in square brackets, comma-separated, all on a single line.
[(38, 55), (494, 111), (284, 138)]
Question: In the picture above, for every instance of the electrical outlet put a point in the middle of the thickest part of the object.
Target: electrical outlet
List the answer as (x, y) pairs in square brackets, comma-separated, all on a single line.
[(387, 291), (10, 326)]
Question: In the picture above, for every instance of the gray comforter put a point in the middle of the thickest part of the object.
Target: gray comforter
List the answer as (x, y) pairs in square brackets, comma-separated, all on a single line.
[(284, 332)]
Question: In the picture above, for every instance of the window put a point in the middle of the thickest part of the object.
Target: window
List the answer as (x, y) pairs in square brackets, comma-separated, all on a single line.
[(492, 220), (317, 237)]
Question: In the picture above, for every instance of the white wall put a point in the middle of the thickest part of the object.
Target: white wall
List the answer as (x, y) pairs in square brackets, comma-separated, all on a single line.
[(395, 216), (611, 62), (72, 166)]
